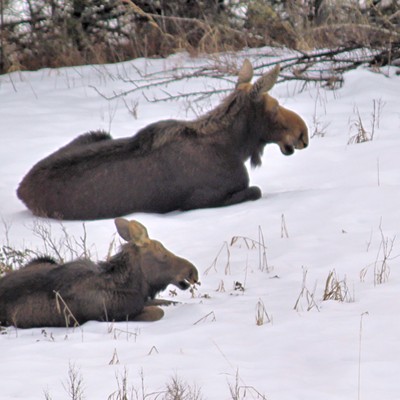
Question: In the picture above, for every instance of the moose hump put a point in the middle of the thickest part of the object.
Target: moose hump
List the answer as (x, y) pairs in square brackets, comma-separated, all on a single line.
[(168, 165)]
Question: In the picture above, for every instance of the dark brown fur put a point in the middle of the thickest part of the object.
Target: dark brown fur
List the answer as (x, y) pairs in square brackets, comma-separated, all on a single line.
[(47, 294), (168, 165)]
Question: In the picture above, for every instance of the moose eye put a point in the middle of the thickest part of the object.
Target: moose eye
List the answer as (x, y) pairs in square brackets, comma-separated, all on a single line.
[(160, 251)]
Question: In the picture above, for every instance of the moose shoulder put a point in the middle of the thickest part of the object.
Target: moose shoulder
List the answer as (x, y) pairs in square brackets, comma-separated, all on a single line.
[(168, 165), (44, 293)]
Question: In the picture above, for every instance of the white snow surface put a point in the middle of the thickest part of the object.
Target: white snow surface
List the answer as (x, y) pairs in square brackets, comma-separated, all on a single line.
[(331, 207)]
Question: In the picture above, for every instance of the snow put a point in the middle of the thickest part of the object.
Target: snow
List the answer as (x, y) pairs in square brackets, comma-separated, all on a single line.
[(330, 207)]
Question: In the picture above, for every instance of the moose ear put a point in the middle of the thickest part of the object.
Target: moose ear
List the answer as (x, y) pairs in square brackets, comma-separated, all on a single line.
[(138, 233), (265, 82), (132, 231), (246, 73)]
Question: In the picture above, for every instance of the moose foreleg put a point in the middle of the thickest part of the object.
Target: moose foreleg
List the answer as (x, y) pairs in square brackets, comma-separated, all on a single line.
[(250, 193), (206, 199), (161, 302), (149, 314)]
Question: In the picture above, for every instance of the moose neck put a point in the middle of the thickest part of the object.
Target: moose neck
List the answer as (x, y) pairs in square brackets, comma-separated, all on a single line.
[(157, 279), (123, 267), (231, 124)]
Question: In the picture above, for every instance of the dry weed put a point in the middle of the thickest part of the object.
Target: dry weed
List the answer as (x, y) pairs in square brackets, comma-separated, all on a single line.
[(252, 244), (64, 247), (262, 317), (62, 308), (361, 135), (177, 389), (241, 391), (215, 261), (74, 386), (337, 289), (381, 266), (306, 298)]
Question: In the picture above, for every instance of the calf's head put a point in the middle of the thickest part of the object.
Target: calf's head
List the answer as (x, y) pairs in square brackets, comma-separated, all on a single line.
[(159, 266), (276, 123)]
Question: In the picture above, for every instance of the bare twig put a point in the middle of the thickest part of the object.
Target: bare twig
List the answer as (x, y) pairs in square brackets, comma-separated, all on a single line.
[(62, 308), (284, 231), (306, 294), (359, 355), (215, 261), (325, 67), (206, 317)]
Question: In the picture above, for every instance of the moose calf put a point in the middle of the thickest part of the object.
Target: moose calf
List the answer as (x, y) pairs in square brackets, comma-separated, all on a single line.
[(45, 293)]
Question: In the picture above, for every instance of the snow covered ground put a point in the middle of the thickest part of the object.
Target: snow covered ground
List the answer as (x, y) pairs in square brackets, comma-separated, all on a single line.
[(331, 207)]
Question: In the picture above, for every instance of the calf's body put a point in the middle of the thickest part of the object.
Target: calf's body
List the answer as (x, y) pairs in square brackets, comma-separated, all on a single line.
[(47, 294)]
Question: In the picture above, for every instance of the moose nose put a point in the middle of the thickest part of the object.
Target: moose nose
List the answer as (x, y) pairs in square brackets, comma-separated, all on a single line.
[(302, 142), (304, 139)]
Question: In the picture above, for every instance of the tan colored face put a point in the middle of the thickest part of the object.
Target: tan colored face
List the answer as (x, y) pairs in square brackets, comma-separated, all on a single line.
[(287, 129), (159, 260), (290, 131), (158, 263)]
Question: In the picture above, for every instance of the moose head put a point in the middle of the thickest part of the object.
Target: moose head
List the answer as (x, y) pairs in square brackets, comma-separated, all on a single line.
[(159, 266), (280, 125)]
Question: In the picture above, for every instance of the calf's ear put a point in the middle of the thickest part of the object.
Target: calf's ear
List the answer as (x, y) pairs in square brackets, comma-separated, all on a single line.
[(132, 231), (138, 233), (266, 82), (246, 73)]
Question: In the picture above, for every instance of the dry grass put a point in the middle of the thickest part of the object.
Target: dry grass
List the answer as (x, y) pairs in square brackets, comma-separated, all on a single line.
[(61, 246), (284, 231), (178, 389), (223, 259), (11, 258), (361, 135), (62, 308), (53, 36), (306, 298), (337, 289), (240, 391), (381, 266), (318, 128), (262, 317), (357, 124), (210, 317), (175, 389), (223, 250), (254, 244)]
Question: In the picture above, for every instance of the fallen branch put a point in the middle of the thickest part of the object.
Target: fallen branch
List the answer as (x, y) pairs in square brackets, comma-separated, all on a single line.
[(323, 67)]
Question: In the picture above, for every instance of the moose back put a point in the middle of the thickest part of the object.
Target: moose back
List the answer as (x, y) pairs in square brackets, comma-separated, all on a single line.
[(168, 165)]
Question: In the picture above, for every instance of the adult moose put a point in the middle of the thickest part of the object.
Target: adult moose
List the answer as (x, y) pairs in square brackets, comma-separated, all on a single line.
[(44, 293), (168, 165)]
